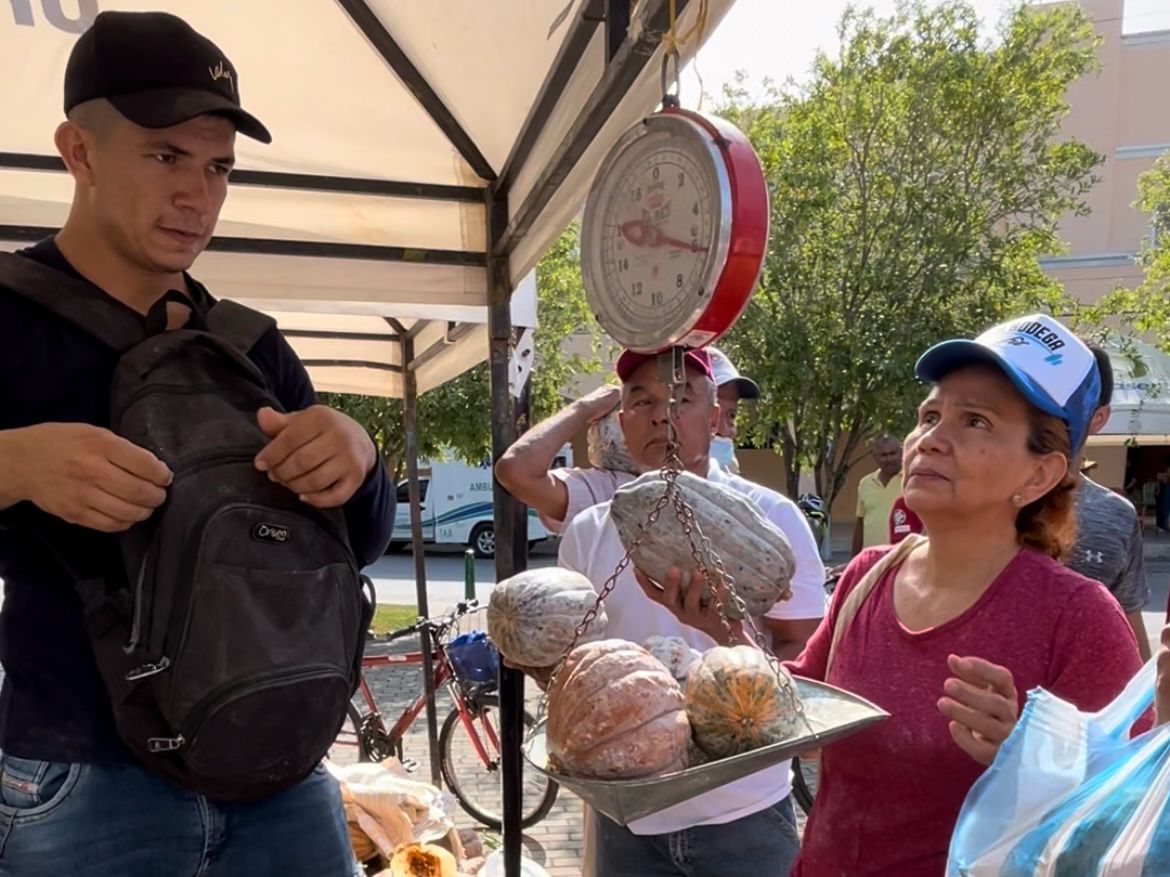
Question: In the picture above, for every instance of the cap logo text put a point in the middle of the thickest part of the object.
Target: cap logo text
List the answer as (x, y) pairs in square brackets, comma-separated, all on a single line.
[(219, 71), (1027, 331)]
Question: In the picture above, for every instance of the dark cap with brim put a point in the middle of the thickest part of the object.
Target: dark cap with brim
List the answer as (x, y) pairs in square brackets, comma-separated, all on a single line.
[(157, 71), (745, 387), (164, 107)]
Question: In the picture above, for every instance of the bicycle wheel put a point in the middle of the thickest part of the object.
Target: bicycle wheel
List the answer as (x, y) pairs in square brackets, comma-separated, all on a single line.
[(478, 786), (804, 778), (348, 745)]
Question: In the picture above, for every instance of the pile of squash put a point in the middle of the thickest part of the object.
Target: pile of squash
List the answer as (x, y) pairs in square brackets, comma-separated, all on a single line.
[(617, 712), (621, 710)]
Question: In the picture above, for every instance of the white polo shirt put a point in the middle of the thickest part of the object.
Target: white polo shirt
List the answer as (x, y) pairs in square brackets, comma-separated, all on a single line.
[(592, 547)]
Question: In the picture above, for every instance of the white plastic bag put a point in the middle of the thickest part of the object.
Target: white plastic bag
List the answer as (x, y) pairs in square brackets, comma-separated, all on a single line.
[(1070, 795), (494, 867)]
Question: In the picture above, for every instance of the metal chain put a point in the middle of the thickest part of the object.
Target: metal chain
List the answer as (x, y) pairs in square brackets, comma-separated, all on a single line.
[(708, 563), (670, 475)]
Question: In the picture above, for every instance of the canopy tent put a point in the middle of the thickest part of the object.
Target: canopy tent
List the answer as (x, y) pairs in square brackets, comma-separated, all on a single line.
[(425, 155), (1141, 396), (398, 128)]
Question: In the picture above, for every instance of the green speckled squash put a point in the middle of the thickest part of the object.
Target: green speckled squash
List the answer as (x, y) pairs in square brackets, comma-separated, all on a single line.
[(735, 703)]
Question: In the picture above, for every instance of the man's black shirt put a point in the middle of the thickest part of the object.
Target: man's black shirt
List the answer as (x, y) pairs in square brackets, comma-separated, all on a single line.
[(53, 705)]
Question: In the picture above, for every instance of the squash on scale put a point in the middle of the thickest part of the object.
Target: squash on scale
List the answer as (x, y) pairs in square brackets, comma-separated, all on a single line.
[(736, 703), (615, 712), (756, 555)]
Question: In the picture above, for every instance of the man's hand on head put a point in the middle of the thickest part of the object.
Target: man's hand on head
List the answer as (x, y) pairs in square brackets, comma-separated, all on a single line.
[(319, 454)]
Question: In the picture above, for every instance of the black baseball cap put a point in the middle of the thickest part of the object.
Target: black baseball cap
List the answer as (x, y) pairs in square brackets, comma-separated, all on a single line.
[(157, 71)]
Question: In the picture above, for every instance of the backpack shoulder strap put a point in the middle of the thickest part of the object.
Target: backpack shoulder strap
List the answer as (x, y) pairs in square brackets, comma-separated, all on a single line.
[(861, 591), (72, 300), (240, 326)]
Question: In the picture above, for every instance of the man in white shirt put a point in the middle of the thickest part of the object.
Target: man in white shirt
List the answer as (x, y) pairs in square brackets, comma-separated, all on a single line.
[(746, 827), (559, 495), (731, 388)]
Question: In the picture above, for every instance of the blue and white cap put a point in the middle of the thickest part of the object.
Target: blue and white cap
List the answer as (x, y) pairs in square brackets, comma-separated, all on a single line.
[(1048, 364)]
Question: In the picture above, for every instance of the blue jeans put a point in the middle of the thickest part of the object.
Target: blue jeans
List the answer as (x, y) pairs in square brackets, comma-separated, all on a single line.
[(764, 844), (118, 820)]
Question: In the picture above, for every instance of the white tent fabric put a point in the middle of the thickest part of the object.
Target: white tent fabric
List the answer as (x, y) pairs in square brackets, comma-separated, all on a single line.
[(1141, 396), (323, 236)]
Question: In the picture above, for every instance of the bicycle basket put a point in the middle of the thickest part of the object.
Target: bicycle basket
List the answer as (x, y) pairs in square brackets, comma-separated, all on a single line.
[(473, 657)]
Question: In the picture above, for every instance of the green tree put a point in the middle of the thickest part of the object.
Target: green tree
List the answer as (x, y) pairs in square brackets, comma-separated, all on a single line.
[(455, 418), (1145, 309), (915, 179)]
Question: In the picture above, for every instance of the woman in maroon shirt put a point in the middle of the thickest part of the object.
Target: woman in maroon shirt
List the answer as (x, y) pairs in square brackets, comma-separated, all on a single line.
[(950, 640)]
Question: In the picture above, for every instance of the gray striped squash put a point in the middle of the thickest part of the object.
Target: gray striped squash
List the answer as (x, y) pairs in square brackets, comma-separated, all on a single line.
[(674, 652), (735, 702), (531, 616), (606, 446), (754, 553), (615, 712)]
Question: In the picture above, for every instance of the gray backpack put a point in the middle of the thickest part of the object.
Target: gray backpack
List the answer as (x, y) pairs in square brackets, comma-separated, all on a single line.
[(233, 645)]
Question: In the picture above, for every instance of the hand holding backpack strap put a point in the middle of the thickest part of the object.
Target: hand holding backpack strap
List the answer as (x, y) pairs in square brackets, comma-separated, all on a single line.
[(861, 591)]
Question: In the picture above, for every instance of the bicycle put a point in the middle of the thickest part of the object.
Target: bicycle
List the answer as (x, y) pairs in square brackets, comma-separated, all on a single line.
[(472, 690)]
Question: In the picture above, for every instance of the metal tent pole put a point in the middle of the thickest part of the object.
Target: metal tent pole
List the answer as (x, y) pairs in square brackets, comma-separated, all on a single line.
[(511, 546), (409, 405)]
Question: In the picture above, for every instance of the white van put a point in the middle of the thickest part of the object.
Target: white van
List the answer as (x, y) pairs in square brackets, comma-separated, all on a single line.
[(456, 503)]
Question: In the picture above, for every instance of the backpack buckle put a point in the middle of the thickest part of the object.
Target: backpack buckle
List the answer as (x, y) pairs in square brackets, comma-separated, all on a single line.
[(165, 744), (148, 669)]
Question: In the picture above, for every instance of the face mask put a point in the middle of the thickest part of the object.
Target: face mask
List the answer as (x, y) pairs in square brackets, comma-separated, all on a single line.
[(722, 451)]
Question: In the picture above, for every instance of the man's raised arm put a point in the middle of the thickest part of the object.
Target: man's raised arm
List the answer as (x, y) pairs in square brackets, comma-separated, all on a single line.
[(524, 469)]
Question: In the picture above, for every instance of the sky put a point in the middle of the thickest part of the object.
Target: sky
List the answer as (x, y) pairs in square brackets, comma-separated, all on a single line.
[(778, 38)]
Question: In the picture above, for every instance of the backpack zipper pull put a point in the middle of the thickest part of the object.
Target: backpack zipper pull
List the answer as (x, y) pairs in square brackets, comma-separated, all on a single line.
[(148, 669), (165, 744)]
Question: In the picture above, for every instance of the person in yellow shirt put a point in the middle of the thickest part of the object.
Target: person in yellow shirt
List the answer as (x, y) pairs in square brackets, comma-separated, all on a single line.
[(876, 494)]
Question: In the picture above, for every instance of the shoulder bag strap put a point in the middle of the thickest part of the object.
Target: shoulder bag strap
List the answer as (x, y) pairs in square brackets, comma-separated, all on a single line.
[(864, 588)]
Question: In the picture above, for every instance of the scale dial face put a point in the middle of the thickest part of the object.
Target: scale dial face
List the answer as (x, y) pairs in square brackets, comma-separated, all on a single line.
[(656, 233)]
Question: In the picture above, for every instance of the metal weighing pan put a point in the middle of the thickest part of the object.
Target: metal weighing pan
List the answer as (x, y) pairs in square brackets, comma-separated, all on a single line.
[(831, 712)]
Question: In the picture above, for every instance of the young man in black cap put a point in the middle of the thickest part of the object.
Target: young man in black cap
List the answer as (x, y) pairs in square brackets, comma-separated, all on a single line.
[(152, 113)]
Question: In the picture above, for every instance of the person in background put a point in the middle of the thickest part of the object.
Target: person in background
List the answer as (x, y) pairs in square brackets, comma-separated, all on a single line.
[(1162, 497), (903, 521), (560, 495), (731, 387), (745, 828), (1109, 535), (876, 494), (959, 626)]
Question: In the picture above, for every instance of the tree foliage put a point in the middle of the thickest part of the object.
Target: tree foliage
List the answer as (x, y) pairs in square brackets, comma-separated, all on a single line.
[(455, 418), (915, 179), (1145, 309)]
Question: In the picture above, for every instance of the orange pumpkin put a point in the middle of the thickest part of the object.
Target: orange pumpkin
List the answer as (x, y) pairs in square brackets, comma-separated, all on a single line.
[(615, 712), (735, 702)]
